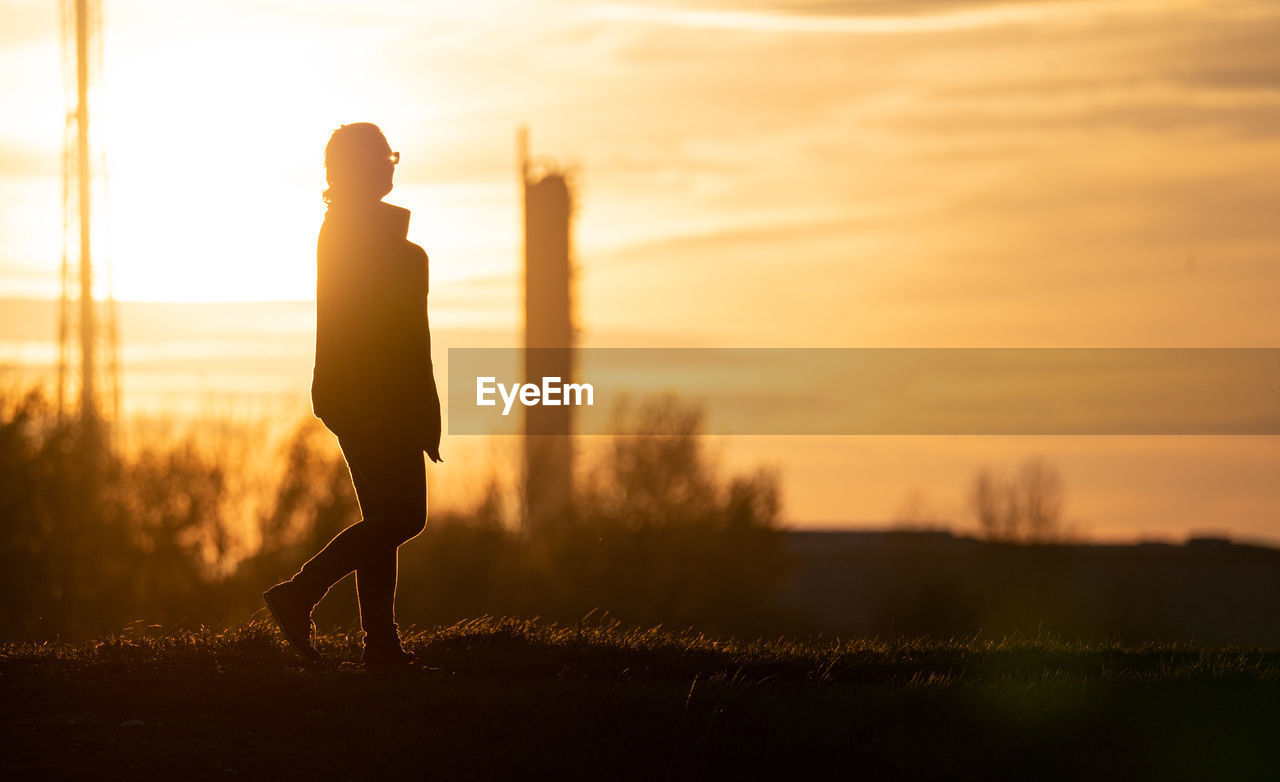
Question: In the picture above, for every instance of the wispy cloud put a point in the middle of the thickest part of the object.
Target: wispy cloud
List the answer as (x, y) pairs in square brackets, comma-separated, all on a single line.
[(937, 20)]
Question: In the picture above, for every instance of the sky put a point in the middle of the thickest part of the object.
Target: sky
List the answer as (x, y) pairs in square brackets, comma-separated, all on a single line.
[(1046, 173)]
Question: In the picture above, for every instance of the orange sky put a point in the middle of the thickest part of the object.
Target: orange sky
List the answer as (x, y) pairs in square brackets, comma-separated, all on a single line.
[(863, 173)]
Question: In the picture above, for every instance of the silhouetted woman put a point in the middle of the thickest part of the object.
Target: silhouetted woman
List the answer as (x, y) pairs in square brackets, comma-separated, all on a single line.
[(373, 387)]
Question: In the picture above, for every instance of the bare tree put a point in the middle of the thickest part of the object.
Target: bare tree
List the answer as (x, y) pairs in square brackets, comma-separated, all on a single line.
[(1039, 490), (1026, 507)]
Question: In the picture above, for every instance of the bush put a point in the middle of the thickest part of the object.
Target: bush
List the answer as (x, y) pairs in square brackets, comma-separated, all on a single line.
[(97, 537), (94, 538)]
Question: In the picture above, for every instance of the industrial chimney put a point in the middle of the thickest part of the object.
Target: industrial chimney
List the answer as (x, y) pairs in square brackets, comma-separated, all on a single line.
[(548, 339)]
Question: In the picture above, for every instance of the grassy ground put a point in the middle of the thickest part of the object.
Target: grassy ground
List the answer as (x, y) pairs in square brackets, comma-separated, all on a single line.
[(517, 700)]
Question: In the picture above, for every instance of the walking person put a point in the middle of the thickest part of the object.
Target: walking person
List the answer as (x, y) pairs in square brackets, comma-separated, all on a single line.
[(373, 387)]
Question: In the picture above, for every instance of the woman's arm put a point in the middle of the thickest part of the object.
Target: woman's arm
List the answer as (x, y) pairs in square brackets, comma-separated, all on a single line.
[(432, 425), (337, 383)]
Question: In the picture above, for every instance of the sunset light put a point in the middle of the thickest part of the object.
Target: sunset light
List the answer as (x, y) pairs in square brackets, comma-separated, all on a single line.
[(652, 389)]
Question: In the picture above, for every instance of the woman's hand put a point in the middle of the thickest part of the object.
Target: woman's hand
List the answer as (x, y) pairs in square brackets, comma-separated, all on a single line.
[(434, 454)]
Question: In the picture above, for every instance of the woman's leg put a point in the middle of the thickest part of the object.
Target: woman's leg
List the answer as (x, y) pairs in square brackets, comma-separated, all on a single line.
[(390, 484), (339, 557), (376, 589)]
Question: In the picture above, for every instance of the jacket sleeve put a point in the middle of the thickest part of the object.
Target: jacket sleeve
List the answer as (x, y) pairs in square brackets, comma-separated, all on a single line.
[(335, 380), (430, 400)]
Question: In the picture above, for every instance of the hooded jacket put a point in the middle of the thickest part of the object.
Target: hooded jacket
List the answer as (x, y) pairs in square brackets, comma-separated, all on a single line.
[(373, 341)]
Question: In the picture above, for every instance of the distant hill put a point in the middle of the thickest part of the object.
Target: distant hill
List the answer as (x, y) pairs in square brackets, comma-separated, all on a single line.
[(859, 583)]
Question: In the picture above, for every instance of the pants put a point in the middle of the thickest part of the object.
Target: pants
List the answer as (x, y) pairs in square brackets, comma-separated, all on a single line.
[(391, 487)]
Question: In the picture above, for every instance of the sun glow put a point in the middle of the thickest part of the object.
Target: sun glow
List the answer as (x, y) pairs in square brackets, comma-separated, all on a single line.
[(215, 160)]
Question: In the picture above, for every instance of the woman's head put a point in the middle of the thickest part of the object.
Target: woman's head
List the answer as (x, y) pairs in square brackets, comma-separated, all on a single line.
[(358, 164)]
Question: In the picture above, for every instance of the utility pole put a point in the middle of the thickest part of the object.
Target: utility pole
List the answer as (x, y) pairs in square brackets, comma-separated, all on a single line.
[(82, 52), (88, 343)]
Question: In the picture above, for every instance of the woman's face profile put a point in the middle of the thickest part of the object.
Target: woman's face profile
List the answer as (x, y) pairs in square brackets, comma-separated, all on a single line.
[(384, 166)]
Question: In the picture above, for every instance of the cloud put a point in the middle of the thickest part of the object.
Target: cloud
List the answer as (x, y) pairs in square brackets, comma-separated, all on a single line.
[(22, 159), (28, 21), (871, 18)]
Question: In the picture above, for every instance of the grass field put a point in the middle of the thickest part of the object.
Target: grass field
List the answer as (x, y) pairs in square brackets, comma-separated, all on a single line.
[(518, 700)]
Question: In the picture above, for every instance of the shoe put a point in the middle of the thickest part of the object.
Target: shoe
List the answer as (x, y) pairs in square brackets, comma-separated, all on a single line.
[(388, 656), (293, 618)]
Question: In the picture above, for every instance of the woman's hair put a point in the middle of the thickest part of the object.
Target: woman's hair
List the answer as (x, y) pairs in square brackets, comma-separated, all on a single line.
[(355, 163)]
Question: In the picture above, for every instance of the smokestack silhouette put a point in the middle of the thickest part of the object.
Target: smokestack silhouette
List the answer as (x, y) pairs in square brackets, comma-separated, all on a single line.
[(548, 338)]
